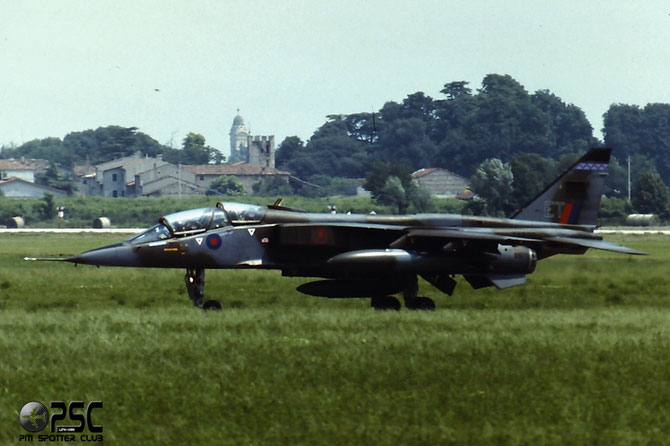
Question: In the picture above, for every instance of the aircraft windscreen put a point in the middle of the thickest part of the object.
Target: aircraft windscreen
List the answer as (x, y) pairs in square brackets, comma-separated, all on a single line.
[(155, 233), (189, 222), (219, 219), (244, 213)]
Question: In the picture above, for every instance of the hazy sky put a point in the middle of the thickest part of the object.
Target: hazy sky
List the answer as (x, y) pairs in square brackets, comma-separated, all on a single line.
[(171, 67)]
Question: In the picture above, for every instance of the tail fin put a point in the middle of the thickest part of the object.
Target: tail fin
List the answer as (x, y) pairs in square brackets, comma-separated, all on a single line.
[(574, 198)]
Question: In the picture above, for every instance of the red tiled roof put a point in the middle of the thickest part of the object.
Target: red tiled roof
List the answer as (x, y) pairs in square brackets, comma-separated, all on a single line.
[(423, 172), (84, 170), (21, 180), (233, 169), (14, 165)]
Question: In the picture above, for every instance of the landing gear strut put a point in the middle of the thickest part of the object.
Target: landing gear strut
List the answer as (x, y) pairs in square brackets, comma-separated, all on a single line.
[(195, 285), (414, 302)]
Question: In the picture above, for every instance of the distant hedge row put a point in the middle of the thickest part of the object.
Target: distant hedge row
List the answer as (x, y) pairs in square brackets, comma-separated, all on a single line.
[(140, 212)]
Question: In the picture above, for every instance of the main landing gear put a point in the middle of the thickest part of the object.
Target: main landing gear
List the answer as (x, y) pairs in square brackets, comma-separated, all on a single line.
[(412, 301), (383, 303), (195, 285)]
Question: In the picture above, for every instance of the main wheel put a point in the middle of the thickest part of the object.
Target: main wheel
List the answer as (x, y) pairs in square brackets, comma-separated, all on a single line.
[(420, 303), (383, 303), (212, 305)]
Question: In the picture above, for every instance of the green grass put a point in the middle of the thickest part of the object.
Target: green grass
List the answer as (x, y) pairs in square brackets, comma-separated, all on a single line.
[(577, 356)]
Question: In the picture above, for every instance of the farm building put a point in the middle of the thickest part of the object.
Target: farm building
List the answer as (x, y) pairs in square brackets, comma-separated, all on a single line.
[(441, 183)]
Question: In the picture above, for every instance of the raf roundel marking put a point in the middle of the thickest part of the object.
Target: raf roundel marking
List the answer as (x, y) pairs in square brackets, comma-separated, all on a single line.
[(213, 241)]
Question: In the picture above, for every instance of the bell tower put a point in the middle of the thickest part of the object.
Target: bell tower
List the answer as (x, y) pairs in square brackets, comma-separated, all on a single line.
[(239, 151)]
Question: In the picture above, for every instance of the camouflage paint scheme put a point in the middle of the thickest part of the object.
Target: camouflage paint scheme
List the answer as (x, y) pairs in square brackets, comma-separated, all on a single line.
[(375, 256)]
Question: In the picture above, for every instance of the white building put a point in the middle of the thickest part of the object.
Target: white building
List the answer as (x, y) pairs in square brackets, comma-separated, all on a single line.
[(15, 187)]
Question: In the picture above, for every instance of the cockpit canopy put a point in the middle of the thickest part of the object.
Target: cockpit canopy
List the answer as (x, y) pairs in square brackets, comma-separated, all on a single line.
[(241, 213), (194, 221)]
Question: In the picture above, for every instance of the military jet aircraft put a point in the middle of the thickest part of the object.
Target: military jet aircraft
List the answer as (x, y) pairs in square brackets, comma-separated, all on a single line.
[(374, 256)]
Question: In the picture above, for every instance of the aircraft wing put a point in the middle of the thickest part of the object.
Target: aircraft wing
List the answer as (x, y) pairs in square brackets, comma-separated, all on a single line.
[(464, 234), (596, 244), (455, 234), (437, 238)]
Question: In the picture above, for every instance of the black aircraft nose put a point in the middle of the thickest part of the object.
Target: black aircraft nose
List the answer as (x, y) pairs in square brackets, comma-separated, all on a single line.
[(121, 254)]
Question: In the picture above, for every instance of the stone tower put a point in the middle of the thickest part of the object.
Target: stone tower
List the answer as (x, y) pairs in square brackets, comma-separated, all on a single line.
[(261, 150), (239, 151)]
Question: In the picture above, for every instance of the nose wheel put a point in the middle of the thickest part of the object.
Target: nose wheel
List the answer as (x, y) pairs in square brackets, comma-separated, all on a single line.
[(212, 305), (195, 286)]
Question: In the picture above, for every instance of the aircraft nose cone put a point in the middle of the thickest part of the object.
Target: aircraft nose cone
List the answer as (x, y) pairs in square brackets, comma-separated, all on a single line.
[(112, 255)]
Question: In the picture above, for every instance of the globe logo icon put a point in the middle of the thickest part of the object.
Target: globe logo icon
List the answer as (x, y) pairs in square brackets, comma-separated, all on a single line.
[(34, 416)]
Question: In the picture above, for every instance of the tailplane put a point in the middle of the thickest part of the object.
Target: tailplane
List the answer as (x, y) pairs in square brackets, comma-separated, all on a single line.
[(574, 198)]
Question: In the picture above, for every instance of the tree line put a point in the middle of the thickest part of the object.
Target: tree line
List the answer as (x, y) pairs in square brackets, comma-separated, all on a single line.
[(107, 143), (499, 132), (457, 132), (531, 135)]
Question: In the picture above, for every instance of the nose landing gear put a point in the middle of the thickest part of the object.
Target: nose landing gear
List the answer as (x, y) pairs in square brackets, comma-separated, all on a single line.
[(195, 286)]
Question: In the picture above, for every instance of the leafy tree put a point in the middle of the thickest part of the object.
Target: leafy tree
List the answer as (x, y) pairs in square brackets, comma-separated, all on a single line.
[(330, 151), (46, 209), (50, 177), (328, 186), (406, 196), (288, 150), (455, 90), (650, 195), (567, 160), (95, 146), (493, 181), (393, 194), (419, 198), (226, 185), (476, 206), (362, 126), (569, 130), (630, 130), (51, 149), (108, 143), (614, 210), (530, 174), (272, 186), (407, 141), (621, 128), (195, 151), (617, 180), (416, 105), (336, 155), (501, 120), (376, 179), (451, 116)]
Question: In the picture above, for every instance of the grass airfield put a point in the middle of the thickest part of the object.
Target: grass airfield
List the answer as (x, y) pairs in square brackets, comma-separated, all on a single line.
[(580, 355)]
